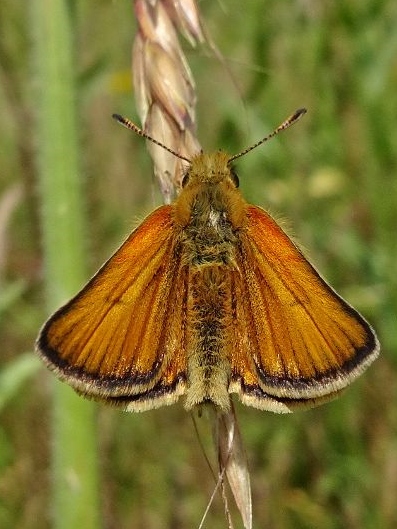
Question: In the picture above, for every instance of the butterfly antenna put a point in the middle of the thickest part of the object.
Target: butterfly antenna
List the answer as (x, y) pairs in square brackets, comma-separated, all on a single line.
[(284, 125), (131, 126)]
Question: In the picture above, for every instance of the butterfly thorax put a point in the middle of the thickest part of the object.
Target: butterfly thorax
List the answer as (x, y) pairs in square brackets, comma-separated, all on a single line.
[(210, 211)]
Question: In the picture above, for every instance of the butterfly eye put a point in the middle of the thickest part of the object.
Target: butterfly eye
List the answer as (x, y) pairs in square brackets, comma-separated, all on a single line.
[(185, 180), (234, 178)]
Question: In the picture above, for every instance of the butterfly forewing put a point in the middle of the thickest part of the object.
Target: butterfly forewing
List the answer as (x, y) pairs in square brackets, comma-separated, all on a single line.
[(303, 340), (117, 336)]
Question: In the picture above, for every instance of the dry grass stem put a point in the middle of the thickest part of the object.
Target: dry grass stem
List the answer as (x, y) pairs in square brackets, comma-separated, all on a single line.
[(232, 458), (164, 86), (166, 100), (9, 201)]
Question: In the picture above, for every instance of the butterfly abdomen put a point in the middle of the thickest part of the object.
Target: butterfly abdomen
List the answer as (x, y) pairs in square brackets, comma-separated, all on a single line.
[(207, 353)]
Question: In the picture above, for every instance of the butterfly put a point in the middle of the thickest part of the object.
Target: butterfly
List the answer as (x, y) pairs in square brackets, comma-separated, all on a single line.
[(206, 298)]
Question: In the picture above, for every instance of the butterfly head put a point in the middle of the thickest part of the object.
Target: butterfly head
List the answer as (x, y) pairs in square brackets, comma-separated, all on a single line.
[(209, 188), (210, 169)]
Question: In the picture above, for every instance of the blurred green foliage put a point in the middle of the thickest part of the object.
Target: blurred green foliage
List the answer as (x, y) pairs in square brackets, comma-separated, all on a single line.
[(333, 175)]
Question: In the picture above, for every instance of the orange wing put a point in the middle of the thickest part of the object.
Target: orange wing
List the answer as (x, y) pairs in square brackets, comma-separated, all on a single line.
[(297, 343), (115, 340)]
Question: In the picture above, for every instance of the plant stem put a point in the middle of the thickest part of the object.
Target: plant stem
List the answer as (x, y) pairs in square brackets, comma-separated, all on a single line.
[(74, 469)]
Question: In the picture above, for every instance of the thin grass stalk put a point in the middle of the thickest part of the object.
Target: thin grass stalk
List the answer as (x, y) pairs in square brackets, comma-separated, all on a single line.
[(166, 102), (74, 464)]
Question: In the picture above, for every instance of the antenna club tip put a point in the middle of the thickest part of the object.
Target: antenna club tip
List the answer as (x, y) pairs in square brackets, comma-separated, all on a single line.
[(300, 112), (117, 117)]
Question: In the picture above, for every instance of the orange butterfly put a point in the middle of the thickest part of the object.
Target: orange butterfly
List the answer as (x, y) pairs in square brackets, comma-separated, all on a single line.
[(208, 297)]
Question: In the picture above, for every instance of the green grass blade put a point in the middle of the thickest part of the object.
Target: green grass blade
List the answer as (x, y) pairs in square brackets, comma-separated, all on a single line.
[(75, 483)]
